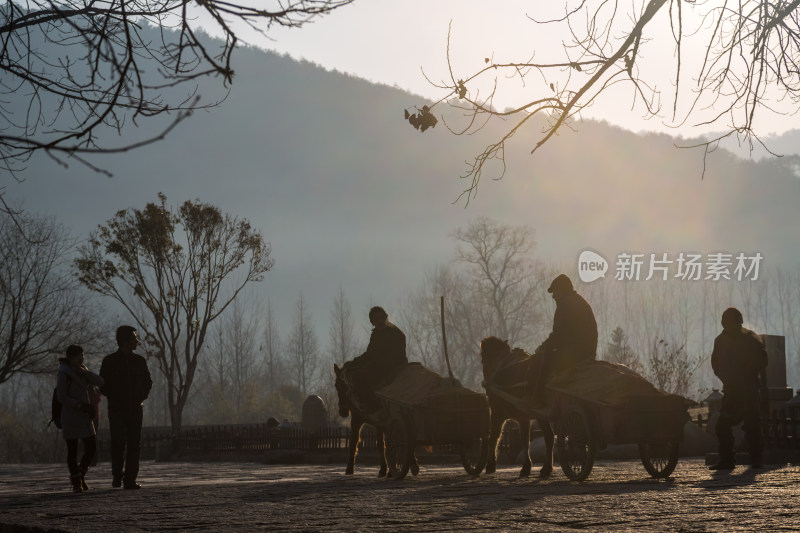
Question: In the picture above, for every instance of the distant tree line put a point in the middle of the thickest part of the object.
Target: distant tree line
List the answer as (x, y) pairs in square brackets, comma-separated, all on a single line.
[(218, 357)]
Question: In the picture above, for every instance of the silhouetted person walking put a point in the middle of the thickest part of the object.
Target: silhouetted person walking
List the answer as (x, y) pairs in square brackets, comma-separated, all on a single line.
[(127, 385), (77, 413), (738, 360), (572, 341), (385, 356)]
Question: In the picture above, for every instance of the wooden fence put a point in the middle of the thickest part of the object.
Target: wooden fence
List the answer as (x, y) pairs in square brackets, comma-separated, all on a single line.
[(254, 438), (780, 431), (259, 437)]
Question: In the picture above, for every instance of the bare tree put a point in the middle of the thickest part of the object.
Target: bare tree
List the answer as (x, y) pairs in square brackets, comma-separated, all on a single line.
[(43, 308), (175, 265), (341, 337), (343, 345), (230, 382), (465, 321), (303, 349), (494, 286), (731, 63), (75, 69), (498, 260), (671, 368), (272, 348), (237, 348)]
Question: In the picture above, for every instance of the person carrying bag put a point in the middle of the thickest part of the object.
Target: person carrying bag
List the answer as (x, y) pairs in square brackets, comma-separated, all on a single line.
[(76, 384)]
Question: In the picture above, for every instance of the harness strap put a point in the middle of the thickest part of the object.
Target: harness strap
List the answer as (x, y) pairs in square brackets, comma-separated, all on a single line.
[(506, 363), (500, 366), (510, 398)]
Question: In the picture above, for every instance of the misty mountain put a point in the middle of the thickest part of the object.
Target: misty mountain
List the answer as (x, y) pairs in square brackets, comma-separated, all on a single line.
[(349, 194), (786, 144)]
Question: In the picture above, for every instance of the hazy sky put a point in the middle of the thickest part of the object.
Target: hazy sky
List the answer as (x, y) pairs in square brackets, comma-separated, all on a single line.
[(393, 41)]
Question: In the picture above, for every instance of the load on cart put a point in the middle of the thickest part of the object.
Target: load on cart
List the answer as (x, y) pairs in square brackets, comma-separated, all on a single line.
[(421, 407), (589, 406), (408, 404)]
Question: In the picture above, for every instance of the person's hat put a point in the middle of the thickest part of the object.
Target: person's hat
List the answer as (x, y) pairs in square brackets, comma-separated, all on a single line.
[(733, 316), (378, 312), (561, 283)]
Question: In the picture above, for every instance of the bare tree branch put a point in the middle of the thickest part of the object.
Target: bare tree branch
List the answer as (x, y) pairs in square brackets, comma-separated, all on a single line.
[(71, 71), (749, 64), (42, 306)]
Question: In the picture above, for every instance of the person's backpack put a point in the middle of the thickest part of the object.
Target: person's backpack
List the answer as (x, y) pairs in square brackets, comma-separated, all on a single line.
[(55, 410)]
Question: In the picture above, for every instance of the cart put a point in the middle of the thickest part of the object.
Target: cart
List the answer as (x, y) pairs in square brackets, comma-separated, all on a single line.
[(420, 407), (584, 426), (599, 403)]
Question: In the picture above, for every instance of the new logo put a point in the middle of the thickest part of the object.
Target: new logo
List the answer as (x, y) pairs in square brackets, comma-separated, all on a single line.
[(591, 266)]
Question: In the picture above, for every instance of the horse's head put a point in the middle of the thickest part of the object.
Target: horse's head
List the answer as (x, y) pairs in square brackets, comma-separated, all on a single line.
[(492, 350), (341, 391)]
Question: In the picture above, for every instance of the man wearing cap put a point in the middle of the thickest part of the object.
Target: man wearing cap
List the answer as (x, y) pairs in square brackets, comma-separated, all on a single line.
[(572, 341), (738, 360), (385, 356)]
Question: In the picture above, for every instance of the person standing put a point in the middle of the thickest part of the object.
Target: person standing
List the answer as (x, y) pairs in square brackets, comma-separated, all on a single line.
[(77, 413), (738, 360), (127, 385)]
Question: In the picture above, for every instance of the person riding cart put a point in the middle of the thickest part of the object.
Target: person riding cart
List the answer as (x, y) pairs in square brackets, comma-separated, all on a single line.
[(572, 341), (379, 364)]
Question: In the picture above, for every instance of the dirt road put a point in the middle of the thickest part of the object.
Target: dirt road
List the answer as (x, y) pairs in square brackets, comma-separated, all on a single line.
[(618, 496)]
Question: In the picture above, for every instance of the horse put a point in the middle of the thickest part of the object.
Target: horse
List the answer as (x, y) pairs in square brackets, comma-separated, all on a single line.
[(347, 407), (507, 370)]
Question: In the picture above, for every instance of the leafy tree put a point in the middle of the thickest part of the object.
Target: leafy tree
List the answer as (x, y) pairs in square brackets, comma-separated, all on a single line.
[(74, 69), (731, 63), (43, 309), (168, 269), (286, 402), (216, 407), (620, 352)]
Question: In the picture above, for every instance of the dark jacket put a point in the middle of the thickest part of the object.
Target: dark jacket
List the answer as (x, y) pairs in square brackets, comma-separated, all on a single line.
[(738, 359), (574, 335), (386, 352), (127, 380), (72, 391)]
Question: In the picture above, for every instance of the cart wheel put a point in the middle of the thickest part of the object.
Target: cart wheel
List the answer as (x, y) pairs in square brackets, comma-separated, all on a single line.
[(659, 459), (399, 447), (576, 445), (474, 454)]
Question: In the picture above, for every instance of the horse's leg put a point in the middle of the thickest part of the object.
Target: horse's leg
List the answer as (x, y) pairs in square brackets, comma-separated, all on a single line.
[(525, 435), (547, 467), (382, 453), (355, 436), (414, 465), (494, 440)]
